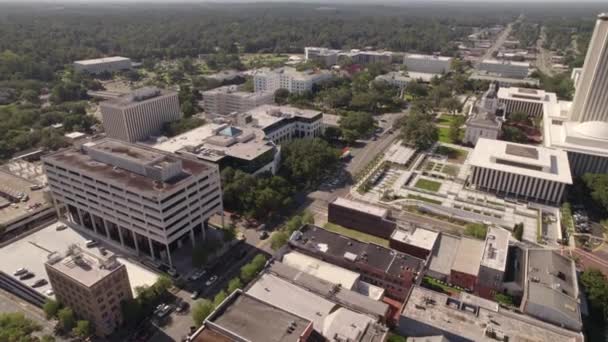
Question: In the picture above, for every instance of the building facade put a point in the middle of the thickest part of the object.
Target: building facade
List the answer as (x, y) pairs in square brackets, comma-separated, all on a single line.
[(139, 199), (325, 56), (520, 171), (99, 65), (430, 64), (360, 216), (294, 81), (92, 285), (524, 100), (519, 70), (397, 79), (228, 99), (139, 115), (282, 124)]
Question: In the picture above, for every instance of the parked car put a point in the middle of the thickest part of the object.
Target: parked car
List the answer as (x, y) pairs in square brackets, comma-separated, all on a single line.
[(211, 280), (263, 235), (91, 243), (197, 275), (181, 306), (20, 271), (61, 227), (162, 310), (49, 292), (173, 273), (194, 295), (40, 282), (27, 275)]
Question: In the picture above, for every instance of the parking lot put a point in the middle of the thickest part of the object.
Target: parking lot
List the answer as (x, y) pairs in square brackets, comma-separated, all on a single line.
[(32, 251)]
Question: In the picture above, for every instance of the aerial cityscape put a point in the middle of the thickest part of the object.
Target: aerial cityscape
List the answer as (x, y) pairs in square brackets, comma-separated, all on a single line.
[(303, 171)]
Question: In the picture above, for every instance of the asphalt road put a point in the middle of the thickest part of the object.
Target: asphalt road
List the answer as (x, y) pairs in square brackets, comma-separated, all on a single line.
[(497, 44)]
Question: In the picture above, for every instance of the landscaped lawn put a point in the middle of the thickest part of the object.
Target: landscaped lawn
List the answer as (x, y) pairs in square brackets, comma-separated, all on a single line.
[(428, 185), (455, 155), (357, 235), (424, 199), (446, 119), (444, 135)]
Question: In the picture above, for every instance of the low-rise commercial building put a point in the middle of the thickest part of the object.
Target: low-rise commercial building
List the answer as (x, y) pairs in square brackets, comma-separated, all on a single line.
[(229, 99), (431, 64), (519, 70), (294, 81), (136, 198), (105, 64), (504, 81), (493, 264), (470, 318), (282, 124), (241, 148), (532, 173), (360, 216), (139, 115), (92, 285), (417, 242), (369, 57), (325, 56), (396, 78), (379, 266), (242, 317), (525, 100), (551, 289), (465, 268)]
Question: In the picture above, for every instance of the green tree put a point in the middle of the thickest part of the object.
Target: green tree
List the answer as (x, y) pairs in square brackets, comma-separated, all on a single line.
[(51, 308), (47, 338), (280, 96), (229, 233), (451, 104), (306, 160), (455, 129), (598, 187), (16, 327), (596, 288), (418, 130), (308, 218), (201, 310), (278, 240), (332, 133), (234, 284), (514, 134), (219, 298), (518, 231), (519, 117), (293, 224), (83, 329), (67, 320), (356, 125), (416, 89)]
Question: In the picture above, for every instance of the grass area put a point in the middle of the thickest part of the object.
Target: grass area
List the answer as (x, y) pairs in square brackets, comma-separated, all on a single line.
[(567, 221), (447, 119), (425, 199), (428, 185), (451, 170), (476, 230), (454, 155), (435, 284), (357, 235), (504, 299), (444, 135)]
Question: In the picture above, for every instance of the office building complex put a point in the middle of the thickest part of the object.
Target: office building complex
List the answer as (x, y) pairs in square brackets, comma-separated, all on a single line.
[(92, 285), (360, 216), (532, 173), (139, 199), (325, 56), (241, 148), (369, 57), (229, 99), (397, 79), (380, 266), (483, 120), (106, 64), (470, 318), (139, 115), (519, 70), (430, 64), (282, 124), (524, 100), (551, 289), (581, 127), (294, 81)]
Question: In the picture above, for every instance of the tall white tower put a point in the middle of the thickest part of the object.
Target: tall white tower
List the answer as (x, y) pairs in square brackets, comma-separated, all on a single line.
[(591, 97)]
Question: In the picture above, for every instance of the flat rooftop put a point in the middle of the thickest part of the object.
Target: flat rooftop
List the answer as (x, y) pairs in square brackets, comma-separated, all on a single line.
[(501, 79), (234, 91), (322, 241), (347, 298), (362, 207), (527, 160), (430, 310), (330, 120), (526, 94), (503, 62), (321, 269), (84, 266), (496, 249), (419, 237), (213, 142), (444, 253), (428, 57), (138, 155), (137, 96), (34, 249), (17, 187), (102, 60), (255, 320), (267, 115), (468, 257)]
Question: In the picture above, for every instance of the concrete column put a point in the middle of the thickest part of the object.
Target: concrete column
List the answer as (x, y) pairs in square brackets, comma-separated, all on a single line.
[(105, 225), (151, 249), (134, 236), (122, 242), (80, 217)]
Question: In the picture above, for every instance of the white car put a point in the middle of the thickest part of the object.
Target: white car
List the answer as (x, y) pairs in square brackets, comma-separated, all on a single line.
[(197, 275), (211, 280), (49, 292), (20, 271)]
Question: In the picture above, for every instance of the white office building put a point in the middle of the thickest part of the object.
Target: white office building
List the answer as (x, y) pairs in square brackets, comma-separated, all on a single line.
[(139, 115), (141, 200), (229, 99), (525, 100), (484, 118), (530, 173), (106, 64), (368, 56), (294, 81), (581, 127), (519, 70), (431, 64), (395, 78), (326, 56), (282, 124)]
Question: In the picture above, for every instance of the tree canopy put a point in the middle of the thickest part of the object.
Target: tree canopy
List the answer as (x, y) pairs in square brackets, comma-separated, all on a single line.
[(16, 327), (418, 129), (306, 161)]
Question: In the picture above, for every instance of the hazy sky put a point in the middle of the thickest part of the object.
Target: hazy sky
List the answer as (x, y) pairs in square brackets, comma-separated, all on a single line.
[(369, 2)]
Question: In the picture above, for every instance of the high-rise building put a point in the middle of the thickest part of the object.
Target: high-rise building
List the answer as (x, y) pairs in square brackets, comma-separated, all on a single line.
[(137, 116), (229, 99), (581, 127), (136, 198), (91, 284)]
